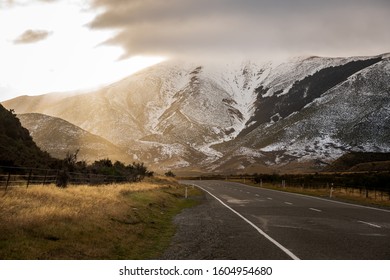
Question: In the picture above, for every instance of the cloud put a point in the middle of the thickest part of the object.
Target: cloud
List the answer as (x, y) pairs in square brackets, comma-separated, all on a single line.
[(246, 27), (12, 3), (32, 36)]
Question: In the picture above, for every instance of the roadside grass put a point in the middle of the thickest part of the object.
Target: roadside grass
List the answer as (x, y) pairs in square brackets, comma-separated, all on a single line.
[(126, 221), (342, 194)]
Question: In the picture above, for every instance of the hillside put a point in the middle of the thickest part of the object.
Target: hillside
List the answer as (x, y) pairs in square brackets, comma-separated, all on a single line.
[(58, 137), (358, 161), (299, 114), (351, 116), (17, 148)]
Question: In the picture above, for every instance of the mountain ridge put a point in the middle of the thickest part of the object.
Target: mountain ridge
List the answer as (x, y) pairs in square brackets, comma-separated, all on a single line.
[(204, 117), (17, 148), (59, 137)]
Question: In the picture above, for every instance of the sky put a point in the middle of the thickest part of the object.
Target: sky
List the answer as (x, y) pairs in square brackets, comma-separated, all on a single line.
[(68, 45)]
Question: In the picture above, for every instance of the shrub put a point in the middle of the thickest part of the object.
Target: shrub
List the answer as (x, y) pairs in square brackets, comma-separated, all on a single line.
[(170, 174)]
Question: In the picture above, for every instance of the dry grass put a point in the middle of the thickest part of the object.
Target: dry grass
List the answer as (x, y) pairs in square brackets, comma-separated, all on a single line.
[(128, 221)]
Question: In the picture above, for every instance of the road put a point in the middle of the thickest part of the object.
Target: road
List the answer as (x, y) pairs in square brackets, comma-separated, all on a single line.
[(295, 226)]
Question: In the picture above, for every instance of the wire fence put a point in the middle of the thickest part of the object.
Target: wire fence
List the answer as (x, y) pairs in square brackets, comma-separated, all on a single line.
[(20, 176), (373, 186)]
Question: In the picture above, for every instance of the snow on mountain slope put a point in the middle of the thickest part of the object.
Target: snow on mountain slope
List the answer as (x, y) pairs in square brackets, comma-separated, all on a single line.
[(203, 116), (354, 115), (279, 77)]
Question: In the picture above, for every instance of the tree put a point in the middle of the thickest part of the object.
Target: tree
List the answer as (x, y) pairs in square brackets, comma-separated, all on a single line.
[(69, 164), (70, 161)]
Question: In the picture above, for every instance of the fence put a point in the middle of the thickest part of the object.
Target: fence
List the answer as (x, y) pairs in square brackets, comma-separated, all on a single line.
[(369, 185), (19, 176)]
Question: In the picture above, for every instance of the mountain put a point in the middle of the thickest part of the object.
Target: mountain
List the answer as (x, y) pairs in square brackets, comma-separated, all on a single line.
[(17, 148), (299, 114), (58, 137), (358, 161), (350, 114)]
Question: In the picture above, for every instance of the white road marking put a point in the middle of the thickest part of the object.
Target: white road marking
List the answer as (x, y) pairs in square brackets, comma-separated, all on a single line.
[(288, 203), (257, 195), (269, 198), (373, 234), (280, 246), (285, 226), (370, 224), (317, 210), (248, 192)]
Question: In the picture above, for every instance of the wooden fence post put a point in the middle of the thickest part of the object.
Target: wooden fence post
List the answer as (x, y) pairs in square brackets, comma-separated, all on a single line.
[(29, 178), (56, 178), (44, 178), (8, 178)]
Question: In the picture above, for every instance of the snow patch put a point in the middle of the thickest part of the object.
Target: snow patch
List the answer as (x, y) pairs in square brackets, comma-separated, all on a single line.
[(248, 152)]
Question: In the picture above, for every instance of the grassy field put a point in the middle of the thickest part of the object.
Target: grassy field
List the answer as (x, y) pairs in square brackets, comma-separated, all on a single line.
[(127, 221), (343, 194)]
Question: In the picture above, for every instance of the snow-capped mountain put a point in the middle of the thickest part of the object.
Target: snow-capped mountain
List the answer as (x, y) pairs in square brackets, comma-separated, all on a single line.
[(236, 117)]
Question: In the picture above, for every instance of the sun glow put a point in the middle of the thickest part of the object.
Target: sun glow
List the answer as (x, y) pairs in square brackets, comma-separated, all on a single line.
[(70, 58)]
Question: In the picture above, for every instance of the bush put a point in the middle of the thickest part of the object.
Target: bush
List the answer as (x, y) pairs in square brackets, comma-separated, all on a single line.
[(170, 174), (62, 179)]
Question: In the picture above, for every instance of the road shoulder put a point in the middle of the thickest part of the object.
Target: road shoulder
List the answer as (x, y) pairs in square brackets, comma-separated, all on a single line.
[(211, 231)]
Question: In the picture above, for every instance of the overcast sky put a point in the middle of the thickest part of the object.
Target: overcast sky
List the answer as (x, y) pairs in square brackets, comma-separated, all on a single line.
[(60, 45), (265, 28)]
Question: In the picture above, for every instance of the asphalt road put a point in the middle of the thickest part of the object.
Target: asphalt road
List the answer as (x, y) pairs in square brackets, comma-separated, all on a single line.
[(291, 226)]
